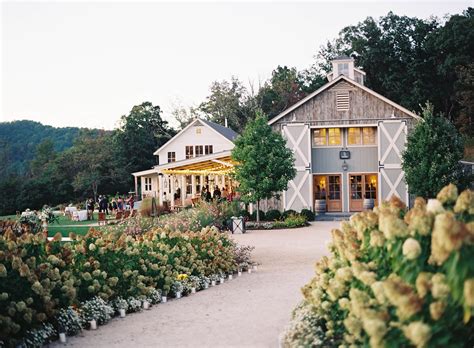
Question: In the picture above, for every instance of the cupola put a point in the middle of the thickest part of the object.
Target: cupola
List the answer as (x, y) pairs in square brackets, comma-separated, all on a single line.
[(344, 65)]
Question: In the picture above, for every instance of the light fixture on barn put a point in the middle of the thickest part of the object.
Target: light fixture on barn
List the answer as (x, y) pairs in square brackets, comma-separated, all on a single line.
[(345, 166)]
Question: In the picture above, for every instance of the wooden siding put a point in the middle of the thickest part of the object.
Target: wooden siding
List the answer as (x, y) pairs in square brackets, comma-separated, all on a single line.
[(364, 108)]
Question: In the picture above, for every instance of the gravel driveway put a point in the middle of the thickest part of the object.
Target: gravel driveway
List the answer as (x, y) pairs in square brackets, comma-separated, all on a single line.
[(250, 311)]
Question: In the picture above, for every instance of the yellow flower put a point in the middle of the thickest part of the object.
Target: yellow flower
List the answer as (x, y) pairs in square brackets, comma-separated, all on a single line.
[(465, 203), (447, 236), (469, 292), (418, 333), (411, 249), (440, 288), (392, 226), (423, 283), (437, 309), (448, 194)]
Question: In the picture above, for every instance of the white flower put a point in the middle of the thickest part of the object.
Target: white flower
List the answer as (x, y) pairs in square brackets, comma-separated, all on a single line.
[(434, 206), (411, 249)]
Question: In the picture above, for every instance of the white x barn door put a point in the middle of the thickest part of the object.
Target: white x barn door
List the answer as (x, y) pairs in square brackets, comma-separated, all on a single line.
[(298, 194), (392, 136)]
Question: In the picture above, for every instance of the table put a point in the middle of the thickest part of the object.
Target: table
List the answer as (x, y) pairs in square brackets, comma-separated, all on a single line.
[(79, 215), (69, 210)]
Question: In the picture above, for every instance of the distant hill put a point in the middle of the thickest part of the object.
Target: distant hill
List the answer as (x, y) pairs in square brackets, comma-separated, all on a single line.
[(18, 141)]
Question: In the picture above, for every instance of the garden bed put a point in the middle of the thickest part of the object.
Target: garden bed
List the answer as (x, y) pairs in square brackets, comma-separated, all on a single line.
[(395, 278), (47, 287)]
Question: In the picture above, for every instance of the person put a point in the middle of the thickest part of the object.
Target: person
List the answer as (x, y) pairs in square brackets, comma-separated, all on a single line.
[(177, 194), (90, 209), (203, 193), (208, 194), (120, 203), (105, 204), (224, 192), (217, 193), (131, 202), (114, 205)]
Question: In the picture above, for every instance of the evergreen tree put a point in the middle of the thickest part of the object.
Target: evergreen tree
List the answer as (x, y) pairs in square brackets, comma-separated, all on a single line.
[(265, 164), (431, 159)]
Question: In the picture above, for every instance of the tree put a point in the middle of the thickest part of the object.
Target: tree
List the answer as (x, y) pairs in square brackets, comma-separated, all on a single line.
[(140, 134), (227, 100), (264, 163), (431, 159)]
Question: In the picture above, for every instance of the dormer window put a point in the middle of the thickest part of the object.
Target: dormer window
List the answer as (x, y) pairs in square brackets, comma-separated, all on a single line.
[(343, 69)]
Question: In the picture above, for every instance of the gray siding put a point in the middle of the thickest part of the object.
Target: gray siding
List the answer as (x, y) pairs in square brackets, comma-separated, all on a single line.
[(326, 160)]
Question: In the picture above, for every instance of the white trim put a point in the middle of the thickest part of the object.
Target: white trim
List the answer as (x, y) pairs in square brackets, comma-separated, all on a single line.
[(360, 71), (339, 125), (295, 143), (185, 129), (349, 188), (145, 172), (193, 160), (333, 82)]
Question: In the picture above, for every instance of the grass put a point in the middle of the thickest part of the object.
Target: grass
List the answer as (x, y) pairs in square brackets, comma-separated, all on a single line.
[(53, 229)]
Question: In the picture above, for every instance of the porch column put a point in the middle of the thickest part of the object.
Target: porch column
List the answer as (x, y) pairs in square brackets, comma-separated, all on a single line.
[(202, 182), (160, 189), (183, 189), (172, 192), (222, 181), (193, 186), (136, 186)]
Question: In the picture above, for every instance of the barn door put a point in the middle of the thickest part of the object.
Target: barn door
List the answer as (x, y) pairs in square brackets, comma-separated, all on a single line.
[(298, 195), (391, 139)]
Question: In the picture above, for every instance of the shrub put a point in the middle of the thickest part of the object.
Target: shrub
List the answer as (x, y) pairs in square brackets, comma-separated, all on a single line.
[(295, 220), (395, 278), (287, 213), (253, 216), (308, 214), (244, 213), (38, 278), (273, 215)]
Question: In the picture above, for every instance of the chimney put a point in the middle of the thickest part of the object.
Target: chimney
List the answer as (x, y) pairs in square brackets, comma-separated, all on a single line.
[(225, 122)]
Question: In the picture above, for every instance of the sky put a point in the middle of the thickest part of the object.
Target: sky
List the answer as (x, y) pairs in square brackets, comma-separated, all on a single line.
[(86, 64)]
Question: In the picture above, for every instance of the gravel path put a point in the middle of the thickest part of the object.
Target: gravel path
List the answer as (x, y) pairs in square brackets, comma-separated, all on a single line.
[(250, 311)]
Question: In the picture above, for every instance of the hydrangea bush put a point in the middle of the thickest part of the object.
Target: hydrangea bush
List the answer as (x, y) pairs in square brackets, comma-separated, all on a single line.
[(40, 278), (395, 278)]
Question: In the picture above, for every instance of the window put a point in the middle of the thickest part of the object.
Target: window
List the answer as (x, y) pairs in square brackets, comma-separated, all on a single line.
[(319, 137), (353, 137), (208, 149), (327, 136), (199, 151), (198, 183), (343, 68), (189, 184), (334, 135), (371, 186), (334, 187), (147, 184), (362, 136), (171, 157), (368, 135), (189, 152), (198, 130)]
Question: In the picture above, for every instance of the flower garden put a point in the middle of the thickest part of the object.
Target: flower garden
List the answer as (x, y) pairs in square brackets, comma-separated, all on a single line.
[(51, 288), (395, 278)]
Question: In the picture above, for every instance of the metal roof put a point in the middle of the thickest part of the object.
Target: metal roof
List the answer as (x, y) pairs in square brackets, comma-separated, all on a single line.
[(225, 131)]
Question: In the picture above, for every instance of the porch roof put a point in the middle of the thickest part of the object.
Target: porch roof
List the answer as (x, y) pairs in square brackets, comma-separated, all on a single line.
[(216, 163)]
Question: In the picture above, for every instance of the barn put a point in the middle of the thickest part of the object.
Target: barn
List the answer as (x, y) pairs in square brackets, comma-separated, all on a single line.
[(347, 141)]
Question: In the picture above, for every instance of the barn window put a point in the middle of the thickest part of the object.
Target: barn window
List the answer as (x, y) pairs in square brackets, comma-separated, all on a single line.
[(319, 137), (342, 100), (362, 136), (334, 136), (327, 137)]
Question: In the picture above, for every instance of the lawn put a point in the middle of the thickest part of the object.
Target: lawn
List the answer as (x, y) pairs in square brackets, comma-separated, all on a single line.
[(53, 229)]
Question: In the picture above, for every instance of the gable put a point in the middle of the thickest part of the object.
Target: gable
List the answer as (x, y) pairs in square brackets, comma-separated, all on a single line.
[(343, 101)]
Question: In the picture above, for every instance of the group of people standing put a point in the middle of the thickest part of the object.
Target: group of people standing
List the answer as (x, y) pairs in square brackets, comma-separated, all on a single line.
[(217, 195), (108, 207)]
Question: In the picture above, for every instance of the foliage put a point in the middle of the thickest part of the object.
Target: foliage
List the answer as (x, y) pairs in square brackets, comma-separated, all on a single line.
[(68, 321), (395, 278), (410, 60), (295, 220), (308, 214), (261, 213), (39, 278), (287, 213), (264, 163), (243, 256), (140, 134), (273, 215), (431, 158)]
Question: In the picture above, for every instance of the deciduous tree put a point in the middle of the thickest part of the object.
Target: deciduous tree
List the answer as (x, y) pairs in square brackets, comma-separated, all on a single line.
[(264, 163)]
